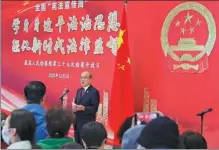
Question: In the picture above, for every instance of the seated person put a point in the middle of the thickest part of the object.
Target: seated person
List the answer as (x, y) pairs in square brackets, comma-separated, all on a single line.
[(58, 122), (93, 135), (129, 140), (192, 140), (19, 130), (160, 133), (127, 123)]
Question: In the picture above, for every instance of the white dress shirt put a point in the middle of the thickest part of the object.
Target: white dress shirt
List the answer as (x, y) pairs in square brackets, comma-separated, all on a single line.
[(86, 87)]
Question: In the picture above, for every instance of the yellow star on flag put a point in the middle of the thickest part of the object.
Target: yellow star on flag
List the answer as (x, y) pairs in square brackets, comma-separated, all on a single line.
[(129, 60), (121, 67), (120, 40)]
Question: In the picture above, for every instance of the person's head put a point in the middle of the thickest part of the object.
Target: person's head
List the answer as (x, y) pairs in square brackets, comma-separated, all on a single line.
[(192, 140), (35, 92), (71, 145), (58, 122), (128, 122), (93, 135), (19, 126), (86, 78), (161, 132)]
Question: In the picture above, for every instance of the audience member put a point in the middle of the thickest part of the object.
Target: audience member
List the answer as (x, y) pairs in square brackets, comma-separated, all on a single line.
[(3, 118), (93, 135), (129, 140), (34, 128), (192, 140), (34, 93), (71, 146), (160, 133), (58, 122), (128, 123), (19, 130)]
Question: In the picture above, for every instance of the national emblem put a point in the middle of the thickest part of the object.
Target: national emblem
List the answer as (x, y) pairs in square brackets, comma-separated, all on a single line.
[(187, 55)]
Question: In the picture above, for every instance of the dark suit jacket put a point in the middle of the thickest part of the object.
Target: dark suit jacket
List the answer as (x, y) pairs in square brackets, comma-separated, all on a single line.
[(90, 101)]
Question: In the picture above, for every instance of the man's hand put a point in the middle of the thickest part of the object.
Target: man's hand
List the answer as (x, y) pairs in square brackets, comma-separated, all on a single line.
[(74, 107), (80, 107), (77, 107)]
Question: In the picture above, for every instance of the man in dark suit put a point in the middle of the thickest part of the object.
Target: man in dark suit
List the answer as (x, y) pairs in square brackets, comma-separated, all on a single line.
[(86, 104)]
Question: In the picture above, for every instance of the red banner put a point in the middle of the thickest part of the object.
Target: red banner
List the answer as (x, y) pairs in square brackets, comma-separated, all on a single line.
[(161, 63), (56, 41)]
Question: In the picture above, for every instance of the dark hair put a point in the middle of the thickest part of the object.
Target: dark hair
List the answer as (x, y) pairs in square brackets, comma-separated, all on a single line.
[(58, 122), (3, 117), (192, 140), (71, 145), (161, 132), (24, 123), (124, 127), (93, 134), (34, 92)]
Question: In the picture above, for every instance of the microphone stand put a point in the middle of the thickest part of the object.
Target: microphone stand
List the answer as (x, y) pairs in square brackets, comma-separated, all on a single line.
[(202, 118), (202, 122), (63, 95), (61, 101)]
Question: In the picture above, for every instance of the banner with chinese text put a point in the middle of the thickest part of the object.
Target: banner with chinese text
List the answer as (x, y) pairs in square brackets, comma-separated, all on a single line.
[(174, 66), (55, 42)]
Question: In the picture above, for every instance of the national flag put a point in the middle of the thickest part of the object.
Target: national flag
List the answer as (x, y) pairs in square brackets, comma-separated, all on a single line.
[(121, 103)]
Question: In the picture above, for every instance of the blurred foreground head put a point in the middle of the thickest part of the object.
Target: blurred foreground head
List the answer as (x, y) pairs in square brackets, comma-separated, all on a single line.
[(59, 121), (19, 126), (127, 123), (35, 92), (160, 133), (192, 140), (93, 135)]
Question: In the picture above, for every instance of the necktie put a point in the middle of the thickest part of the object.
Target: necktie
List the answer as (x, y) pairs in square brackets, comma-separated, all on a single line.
[(82, 93)]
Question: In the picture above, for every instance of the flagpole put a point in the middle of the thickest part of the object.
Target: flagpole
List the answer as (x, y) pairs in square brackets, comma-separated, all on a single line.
[(126, 4)]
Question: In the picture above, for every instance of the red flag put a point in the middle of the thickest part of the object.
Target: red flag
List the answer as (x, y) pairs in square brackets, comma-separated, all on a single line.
[(121, 104)]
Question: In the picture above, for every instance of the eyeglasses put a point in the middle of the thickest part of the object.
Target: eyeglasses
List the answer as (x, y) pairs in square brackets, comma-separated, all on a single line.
[(84, 78)]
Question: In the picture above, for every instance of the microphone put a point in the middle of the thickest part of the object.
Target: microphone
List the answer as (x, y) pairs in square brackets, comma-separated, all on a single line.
[(204, 112), (66, 92)]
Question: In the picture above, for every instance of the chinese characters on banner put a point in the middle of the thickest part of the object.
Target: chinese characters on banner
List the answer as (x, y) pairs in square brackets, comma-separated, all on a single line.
[(61, 5), (77, 64), (73, 24)]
